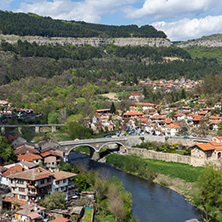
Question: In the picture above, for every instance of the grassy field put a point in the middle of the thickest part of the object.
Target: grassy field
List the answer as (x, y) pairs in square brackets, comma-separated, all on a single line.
[(175, 170), (107, 218), (87, 216)]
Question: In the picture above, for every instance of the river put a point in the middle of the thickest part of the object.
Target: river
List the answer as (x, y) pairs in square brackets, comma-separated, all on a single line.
[(151, 202)]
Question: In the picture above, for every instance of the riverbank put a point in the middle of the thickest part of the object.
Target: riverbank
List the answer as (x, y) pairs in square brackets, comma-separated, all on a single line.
[(181, 178)]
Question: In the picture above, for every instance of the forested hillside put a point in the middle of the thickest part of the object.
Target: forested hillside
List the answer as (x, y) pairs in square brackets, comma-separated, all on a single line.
[(127, 64), (31, 24)]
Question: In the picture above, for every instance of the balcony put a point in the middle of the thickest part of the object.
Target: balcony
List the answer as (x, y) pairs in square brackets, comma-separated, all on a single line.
[(32, 194)]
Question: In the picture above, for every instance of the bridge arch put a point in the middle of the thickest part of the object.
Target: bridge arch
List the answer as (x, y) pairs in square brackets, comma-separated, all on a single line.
[(117, 143), (92, 148)]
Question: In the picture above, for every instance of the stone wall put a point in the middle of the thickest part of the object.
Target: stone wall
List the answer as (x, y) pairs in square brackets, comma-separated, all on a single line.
[(151, 154), (157, 42), (168, 157)]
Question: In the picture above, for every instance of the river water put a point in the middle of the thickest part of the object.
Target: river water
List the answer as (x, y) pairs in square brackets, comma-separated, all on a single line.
[(151, 202)]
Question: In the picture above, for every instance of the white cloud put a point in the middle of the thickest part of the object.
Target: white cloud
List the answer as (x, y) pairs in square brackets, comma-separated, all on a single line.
[(87, 10), (5, 3), (170, 8), (190, 28)]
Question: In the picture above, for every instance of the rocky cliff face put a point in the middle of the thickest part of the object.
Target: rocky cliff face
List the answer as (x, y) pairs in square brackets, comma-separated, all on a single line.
[(157, 42), (207, 41)]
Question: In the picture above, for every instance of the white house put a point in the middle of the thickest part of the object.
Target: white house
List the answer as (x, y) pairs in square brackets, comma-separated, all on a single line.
[(64, 182), (172, 129)]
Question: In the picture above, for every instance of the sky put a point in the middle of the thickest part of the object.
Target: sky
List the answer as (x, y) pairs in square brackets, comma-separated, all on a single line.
[(180, 19)]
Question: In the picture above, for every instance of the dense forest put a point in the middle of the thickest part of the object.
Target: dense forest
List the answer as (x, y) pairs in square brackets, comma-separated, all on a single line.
[(109, 62), (31, 24)]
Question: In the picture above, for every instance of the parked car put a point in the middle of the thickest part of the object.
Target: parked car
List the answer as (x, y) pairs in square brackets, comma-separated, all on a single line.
[(108, 136), (186, 137)]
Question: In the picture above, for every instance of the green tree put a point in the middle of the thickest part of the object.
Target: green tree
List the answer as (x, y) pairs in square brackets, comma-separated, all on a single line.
[(89, 91), (54, 201), (113, 108), (7, 154), (183, 94), (75, 130), (53, 118), (81, 182), (210, 183)]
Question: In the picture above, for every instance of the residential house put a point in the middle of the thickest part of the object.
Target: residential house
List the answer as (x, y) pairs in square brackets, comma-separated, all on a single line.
[(64, 182), (47, 145), (172, 129), (217, 139), (30, 185), (8, 170), (213, 125), (218, 105), (30, 157), (208, 152), (132, 114), (136, 96), (23, 150), (30, 212), (179, 117), (51, 159)]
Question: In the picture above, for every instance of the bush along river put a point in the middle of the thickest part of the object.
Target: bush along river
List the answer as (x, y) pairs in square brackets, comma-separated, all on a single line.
[(151, 202)]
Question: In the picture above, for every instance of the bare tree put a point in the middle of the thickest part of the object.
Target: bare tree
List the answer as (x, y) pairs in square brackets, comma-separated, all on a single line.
[(116, 203)]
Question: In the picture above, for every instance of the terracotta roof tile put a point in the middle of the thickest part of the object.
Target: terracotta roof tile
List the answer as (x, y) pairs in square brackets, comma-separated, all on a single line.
[(13, 200), (29, 157), (13, 170), (173, 126), (60, 175), (32, 174), (60, 219)]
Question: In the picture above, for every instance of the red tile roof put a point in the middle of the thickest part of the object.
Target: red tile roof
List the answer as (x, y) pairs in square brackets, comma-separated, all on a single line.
[(60, 219), (60, 175), (173, 126), (33, 174), (210, 146), (138, 113), (29, 157), (13, 170), (13, 200)]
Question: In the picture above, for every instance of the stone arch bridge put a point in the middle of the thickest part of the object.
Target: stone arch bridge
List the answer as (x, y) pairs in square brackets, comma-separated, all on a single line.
[(95, 145)]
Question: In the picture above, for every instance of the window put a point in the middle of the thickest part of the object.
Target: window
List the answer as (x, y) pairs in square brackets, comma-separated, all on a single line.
[(57, 182), (23, 197), (20, 182), (64, 180), (42, 181), (48, 179), (21, 189)]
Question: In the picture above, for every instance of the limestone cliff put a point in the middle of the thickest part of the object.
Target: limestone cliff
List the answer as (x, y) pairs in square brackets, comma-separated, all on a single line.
[(207, 41), (157, 42)]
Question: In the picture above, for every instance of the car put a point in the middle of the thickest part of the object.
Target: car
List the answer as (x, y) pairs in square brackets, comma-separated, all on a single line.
[(108, 136), (186, 137)]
